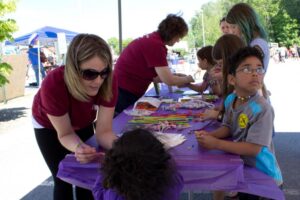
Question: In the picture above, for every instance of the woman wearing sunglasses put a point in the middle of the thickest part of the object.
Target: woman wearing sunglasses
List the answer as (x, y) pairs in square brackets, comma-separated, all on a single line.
[(72, 99)]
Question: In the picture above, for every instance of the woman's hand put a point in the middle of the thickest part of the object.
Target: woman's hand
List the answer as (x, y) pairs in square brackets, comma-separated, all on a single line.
[(179, 74), (85, 153)]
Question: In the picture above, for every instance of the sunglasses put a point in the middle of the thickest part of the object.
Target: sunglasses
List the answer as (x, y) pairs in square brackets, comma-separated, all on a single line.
[(91, 74)]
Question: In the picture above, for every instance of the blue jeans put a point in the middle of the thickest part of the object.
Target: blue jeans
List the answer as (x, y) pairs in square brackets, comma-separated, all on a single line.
[(36, 72)]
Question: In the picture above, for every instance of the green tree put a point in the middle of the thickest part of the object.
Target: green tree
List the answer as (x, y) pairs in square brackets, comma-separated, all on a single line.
[(7, 27), (292, 7), (114, 43), (126, 42), (211, 13), (280, 25), (287, 29)]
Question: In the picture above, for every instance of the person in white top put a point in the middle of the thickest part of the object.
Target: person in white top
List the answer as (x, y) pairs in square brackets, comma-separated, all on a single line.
[(244, 22)]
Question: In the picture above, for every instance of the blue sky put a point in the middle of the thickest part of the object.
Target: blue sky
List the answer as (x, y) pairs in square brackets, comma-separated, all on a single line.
[(100, 16)]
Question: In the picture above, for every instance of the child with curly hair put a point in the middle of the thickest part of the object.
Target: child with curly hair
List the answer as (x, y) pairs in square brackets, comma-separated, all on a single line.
[(138, 168)]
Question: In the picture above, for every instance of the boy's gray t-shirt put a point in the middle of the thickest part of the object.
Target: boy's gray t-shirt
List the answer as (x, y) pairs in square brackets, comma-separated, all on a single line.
[(253, 122)]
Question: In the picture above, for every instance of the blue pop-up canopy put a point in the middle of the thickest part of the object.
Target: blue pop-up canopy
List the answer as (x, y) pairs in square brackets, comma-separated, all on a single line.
[(45, 36)]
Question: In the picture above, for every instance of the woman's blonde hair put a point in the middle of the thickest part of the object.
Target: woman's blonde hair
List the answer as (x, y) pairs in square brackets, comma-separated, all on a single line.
[(82, 48)]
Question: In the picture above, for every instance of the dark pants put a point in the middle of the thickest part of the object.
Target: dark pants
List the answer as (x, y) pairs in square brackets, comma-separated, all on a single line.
[(53, 152), (125, 99)]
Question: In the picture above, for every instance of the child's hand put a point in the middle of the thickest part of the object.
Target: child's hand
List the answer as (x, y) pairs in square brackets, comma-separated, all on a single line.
[(85, 153), (207, 141), (199, 134), (210, 114)]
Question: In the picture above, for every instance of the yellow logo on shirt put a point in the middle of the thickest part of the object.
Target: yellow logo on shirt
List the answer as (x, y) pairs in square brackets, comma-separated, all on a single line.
[(243, 120)]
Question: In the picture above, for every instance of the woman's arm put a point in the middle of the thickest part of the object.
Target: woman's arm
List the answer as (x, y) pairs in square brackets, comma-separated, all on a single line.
[(69, 139), (198, 87), (65, 132), (104, 134), (166, 76)]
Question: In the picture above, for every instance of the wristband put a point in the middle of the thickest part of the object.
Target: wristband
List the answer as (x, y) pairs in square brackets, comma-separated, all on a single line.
[(78, 144)]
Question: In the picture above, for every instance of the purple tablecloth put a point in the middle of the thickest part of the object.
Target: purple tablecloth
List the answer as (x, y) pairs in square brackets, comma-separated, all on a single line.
[(201, 169)]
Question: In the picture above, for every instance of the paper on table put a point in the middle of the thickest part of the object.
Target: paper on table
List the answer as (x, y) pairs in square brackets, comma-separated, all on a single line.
[(138, 112), (170, 140), (147, 103)]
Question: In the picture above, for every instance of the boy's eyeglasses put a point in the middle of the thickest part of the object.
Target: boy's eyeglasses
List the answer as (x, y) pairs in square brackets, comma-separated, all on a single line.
[(91, 74), (248, 70)]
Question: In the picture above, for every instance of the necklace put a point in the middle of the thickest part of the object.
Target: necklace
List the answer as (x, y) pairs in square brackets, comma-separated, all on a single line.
[(243, 99)]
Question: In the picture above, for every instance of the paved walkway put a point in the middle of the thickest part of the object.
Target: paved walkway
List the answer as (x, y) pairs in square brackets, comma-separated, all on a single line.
[(22, 167)]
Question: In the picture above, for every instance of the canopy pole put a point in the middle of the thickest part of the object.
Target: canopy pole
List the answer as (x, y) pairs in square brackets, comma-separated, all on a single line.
[(39, 62), (120, 25)]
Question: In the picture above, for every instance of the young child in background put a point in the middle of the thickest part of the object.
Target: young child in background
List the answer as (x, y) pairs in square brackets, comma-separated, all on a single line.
[(248, 117), (224, 26), (138, 168), (205, 62), (224, 47)]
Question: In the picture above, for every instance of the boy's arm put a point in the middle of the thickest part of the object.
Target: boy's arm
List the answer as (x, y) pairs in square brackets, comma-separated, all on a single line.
[(213, 136), (240, 148), (222, 132)]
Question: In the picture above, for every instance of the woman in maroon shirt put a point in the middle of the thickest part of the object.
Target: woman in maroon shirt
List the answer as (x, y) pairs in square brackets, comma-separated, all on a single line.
[(72, 99), (144, 61)]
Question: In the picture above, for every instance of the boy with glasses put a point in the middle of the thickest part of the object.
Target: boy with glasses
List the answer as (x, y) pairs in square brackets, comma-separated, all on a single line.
[(248, 117)]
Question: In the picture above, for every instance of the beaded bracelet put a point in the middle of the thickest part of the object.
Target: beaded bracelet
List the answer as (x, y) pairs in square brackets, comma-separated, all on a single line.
[(78, 144)]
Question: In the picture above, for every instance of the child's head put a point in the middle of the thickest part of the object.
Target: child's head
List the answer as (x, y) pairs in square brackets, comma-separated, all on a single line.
[(225, 47), (204, 56), (138, 167), (224, 26), (244, 22), (246, 71)]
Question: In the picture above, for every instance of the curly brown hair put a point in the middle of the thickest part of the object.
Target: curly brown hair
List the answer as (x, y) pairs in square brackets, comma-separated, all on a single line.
[(138, 167), (172, 26)]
